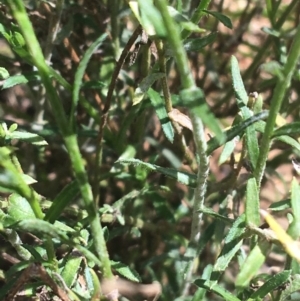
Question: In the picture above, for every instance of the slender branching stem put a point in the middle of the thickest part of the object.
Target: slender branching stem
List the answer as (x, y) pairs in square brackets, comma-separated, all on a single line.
[(188, 84), (20, 15), (107, 105), (283, 83)]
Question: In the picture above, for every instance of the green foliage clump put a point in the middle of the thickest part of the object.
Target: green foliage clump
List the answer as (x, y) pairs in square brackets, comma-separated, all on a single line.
[(131, 151)]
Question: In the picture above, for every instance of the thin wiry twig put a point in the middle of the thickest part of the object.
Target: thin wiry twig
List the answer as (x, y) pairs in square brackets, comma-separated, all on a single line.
[(107, 105)]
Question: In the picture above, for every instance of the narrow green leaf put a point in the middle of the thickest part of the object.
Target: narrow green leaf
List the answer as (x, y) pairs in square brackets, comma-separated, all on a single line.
[(181, 176), (233, 242), (206, 237), (253, 263), (210, 212), (252, 145), (71, 268), (294, 228), (228, 150), (93, 84), (19, 208), (287, 129), (28, 179), (13, 127), (238, 85), (228, 252), (27, 137), (61, 201), (145, 84), (3, 30), (237, 230), (37, 252), (162, 114), (199, 43), (280, 205), (236, 130), (81, 70), (125, 271), (192, 27), (271, 31), (93, 283), (222, 18), (4, 74), (200, 293), (272, 284), (289, 140), (20, 79), (252, 203), (295, 199), (242, 100), (260, 126), (219, 290), (40, 227), (194, 99), (294, 286)]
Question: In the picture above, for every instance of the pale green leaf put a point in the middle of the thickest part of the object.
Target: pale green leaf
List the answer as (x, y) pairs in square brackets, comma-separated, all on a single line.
[(289, 140), (272, 284), (162, 114), (81, 70), (27, 137), (20, 79), (228, 150), (182, 177), (235, 130), (252, 203), (19, 208), (254, 261), (125, 271), (145, 84)]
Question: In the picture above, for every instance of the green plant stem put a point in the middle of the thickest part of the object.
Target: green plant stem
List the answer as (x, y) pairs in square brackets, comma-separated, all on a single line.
[(177, 46), (282, 85), (199, 137), (199, 196), (106, 108), (70, 138)]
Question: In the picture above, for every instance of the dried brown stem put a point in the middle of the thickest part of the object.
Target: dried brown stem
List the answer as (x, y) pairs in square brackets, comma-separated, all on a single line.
[(36, 271), (107, 105)]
